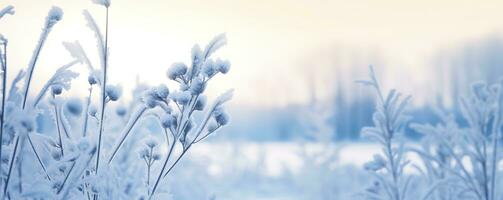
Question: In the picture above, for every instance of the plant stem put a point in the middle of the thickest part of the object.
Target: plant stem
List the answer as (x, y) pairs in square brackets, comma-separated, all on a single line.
[(38, 158), (11, 166), (4, 88), (494, 166), (103, 92), (206, 135), (177, 160), (191, 107), (163, 168), (20, 159), (57, 125), (86, 114), (485, 171), (393, 171), (63, 124), (459, 162), (148, 179), (389, 152), (31, 68), (127, 129), (496, 130), (149, 164), (66, 177), (81, 167)]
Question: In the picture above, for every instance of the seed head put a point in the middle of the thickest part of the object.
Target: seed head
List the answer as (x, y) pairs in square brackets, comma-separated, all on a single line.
[(200, 103), (56, 89), (222, 66), (168, 121), (113, 92)]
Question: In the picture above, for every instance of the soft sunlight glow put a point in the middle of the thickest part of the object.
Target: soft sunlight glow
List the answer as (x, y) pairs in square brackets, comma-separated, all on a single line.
[(286, 35)]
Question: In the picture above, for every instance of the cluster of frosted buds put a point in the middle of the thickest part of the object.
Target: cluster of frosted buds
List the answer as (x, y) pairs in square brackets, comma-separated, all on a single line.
[(194, 80), (181, 98), (177, 72), (197, 86), (149, 156), (211, 68), (168, 121), (157, 96), (148, 153)]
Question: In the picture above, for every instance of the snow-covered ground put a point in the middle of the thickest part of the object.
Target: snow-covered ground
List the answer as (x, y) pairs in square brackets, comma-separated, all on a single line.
[(277, 158), (272, 170)]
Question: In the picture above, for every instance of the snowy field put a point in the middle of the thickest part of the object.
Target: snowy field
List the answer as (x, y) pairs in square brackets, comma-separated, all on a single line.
[(275, 170), (278, 158), (282, 170)]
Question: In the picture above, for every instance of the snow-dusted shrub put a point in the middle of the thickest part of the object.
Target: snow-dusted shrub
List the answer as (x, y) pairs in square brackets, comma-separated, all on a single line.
[(435, 160), (387, 168), (75, 157), (456, 161), (466, 157)]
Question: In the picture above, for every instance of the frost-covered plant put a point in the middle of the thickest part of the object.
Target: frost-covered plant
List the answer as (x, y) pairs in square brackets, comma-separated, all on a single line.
[(177, 107), (55, 15), (78, 53), (389, 121), (3, 66), (61, 80), (107, 94), (63, 160), (21, 123), (434, 153), (18, 117), (473, 150), (150, 155)]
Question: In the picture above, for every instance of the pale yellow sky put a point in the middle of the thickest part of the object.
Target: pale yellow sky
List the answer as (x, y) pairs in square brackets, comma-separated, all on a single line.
[(272, 43)]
